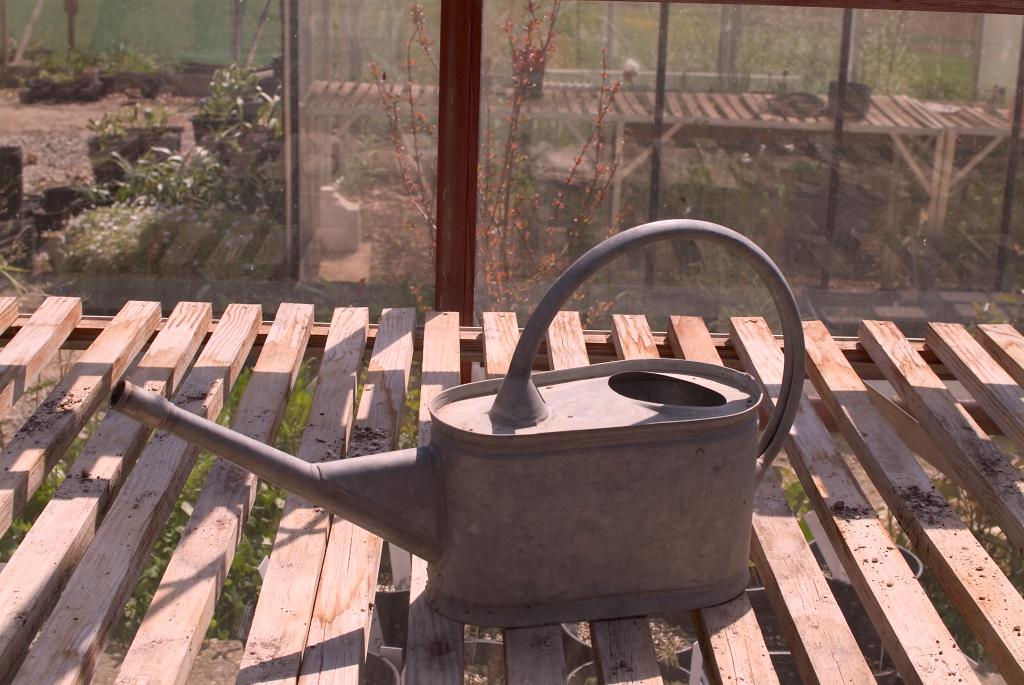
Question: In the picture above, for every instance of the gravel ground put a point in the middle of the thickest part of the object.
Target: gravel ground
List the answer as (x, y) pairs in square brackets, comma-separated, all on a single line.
[(53, 137)]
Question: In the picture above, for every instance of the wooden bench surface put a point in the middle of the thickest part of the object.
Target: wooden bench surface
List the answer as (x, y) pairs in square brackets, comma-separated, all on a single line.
[(886, 113), (67, 583)]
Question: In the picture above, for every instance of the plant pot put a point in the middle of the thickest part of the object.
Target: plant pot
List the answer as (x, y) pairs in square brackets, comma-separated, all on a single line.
[(60, 204), (131, 145), (206, 126), (11, 187), (147, 84), (14, 76), (858, 98)]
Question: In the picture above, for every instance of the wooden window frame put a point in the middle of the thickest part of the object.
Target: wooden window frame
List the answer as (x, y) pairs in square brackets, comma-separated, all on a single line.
[(459, 127)]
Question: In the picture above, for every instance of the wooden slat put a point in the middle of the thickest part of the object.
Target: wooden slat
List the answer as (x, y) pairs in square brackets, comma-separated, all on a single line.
[(915, 106), (623, 649), (8, 312), (632, 337), (338, 633), (42, 440), (1006, 345), (31, 581), (729, 635), (823, 646), (73, 636), (725, 105), (689, 338), (273, 650), (629, 97), (968, 574), (567, 348), (501, 330), (168, 640), (732, 645), (532, 655), (691, 104), (624, 652), (738, 105), (674, 105), (910, 628), (707, 107), (886, 104), (34, 345), (989, 383), (977, 462), (433, 653)]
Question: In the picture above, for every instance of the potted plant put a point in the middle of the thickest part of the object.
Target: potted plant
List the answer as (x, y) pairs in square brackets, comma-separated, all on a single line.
[(235, 98), (128, 135)]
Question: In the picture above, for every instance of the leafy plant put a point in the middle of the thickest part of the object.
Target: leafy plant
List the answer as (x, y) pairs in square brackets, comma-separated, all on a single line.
[(104, 240), (135, 116), (231, 88), (123, 59)]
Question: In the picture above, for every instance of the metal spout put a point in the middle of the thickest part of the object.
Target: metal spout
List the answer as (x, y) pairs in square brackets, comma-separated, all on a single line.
[(391, 494)]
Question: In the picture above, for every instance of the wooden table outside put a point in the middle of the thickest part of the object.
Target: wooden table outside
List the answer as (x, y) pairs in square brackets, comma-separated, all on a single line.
[(67, 583), (924, 134)]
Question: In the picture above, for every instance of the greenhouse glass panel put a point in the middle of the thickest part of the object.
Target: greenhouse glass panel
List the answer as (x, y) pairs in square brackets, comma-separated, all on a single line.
[(890, 206)]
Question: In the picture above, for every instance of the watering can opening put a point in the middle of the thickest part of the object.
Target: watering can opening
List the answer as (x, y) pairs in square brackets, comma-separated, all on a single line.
[(657, 388)]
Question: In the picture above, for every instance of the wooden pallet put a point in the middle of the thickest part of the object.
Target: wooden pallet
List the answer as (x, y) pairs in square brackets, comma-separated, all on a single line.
[(66, 584)]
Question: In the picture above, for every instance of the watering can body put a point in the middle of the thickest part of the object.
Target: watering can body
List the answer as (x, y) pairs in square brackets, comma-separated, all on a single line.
[(618, 489), (616, 507)]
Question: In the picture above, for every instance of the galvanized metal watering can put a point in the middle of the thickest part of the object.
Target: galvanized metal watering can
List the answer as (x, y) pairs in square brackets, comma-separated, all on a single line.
[(618, 489)]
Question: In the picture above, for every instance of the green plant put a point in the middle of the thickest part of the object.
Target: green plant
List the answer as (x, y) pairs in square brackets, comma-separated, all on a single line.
[(195, 178), (104, 240), (230, 89), (134, 116), (123, 59)]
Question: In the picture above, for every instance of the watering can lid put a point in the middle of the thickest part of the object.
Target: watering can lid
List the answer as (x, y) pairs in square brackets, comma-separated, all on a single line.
[(611, 395)]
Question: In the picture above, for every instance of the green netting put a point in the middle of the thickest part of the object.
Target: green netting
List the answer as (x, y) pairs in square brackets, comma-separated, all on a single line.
[(174, 31)]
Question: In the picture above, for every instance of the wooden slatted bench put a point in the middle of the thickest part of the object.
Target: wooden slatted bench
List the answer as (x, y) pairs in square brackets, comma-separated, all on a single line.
[(67, 582)]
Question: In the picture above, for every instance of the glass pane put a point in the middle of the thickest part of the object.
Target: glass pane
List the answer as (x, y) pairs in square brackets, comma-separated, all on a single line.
[(899, 217), (368, 74), (154, 154)]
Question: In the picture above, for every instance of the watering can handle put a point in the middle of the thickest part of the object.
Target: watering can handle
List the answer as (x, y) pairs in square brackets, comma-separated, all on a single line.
[(519, 403)]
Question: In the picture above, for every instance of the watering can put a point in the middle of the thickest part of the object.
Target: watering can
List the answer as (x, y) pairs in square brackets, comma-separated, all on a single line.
[(618, 489)]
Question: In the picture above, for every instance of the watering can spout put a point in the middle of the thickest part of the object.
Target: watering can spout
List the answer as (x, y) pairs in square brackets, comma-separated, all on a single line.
[(391, 494)]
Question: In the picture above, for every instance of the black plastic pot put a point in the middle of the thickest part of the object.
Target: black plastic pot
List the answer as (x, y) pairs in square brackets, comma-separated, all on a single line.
[(149, 85), (131, 145), (858, 98), (205, 127), (11, 187)]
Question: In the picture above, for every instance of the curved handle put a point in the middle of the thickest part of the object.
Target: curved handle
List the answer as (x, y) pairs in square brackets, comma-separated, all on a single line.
[(519, 403)]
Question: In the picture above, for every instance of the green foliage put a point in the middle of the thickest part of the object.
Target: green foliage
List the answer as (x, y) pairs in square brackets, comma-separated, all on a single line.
[(69, 65), (230, 89), (132, 238), (105, 240), (122, 59), (197, 178), (135, 116)]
